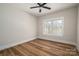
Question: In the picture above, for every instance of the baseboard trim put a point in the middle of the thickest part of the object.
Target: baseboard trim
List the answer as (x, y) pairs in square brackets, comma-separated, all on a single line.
[(20, 42), (58, 41), (14, 44)]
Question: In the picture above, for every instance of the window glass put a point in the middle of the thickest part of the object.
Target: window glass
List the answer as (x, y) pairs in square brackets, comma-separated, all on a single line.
[(53, 27)]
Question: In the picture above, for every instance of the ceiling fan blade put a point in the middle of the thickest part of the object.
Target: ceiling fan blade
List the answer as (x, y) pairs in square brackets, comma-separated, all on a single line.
[(39, 4), (44, 4), (46, 7), (34, 7), (39, 10)]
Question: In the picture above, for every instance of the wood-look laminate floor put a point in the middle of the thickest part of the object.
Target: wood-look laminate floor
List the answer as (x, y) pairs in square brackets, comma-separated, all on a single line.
[(40, 47)]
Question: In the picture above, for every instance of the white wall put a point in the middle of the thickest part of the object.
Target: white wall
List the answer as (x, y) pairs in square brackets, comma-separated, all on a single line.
[(70, 26), (16, 26), (78, 30)]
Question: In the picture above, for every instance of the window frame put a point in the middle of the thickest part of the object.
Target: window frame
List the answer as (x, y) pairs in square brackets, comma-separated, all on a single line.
[(52, 19)]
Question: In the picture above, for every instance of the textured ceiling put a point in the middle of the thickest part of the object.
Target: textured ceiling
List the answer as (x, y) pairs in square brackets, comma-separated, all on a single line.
[(54, 7)]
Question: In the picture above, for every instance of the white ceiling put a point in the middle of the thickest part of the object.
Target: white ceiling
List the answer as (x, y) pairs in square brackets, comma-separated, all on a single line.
[(54, 7)]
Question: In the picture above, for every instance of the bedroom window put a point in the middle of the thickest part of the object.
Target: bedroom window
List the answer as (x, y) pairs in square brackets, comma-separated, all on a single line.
[(54, 27)]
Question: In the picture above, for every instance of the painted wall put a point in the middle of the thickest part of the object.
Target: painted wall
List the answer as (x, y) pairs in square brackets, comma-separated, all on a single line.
[(16, 26), (70, 26), (78, 30)]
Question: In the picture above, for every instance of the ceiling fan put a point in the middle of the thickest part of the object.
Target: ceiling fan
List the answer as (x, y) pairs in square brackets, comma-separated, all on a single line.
[(42, 5)]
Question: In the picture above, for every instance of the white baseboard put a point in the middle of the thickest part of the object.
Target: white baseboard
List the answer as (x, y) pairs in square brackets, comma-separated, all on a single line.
[(62, 41), (11, 44), (15, 43)]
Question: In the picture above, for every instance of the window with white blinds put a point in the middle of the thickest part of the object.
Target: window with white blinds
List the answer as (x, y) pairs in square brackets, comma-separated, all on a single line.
[(54, 27)]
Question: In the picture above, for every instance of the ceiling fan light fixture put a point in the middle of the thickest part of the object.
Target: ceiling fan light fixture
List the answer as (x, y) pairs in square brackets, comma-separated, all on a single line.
[(40, 10), (41, 5)]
